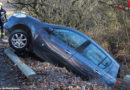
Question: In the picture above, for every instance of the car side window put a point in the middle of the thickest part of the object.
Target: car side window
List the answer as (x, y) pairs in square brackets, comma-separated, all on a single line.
[(105, 63), (94, 54), (73, 39)]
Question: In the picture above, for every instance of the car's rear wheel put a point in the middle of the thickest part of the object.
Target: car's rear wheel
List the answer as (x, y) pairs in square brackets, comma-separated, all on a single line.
[(19, 40)]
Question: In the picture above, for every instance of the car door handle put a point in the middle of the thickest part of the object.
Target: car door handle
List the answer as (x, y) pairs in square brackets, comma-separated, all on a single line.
[(43, 44), (97, 71), (68, 52)]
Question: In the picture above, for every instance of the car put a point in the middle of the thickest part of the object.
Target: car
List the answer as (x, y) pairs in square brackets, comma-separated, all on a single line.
[(67, 46)]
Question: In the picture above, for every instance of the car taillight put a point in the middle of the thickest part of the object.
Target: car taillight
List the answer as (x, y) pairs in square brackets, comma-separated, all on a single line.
[(117, 83)]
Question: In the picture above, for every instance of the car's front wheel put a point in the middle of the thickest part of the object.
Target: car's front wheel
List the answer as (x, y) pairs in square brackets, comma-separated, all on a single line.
[(19, 40)]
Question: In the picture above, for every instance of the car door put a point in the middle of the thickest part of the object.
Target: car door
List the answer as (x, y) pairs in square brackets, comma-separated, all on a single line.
[(64, 43), (50, 48), (40, 47)]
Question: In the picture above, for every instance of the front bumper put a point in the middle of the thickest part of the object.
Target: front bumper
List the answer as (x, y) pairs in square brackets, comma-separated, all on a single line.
[(6, 26)]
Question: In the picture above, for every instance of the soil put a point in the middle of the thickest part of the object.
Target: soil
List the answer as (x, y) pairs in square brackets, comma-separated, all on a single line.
[(8, 78), (7, 74)]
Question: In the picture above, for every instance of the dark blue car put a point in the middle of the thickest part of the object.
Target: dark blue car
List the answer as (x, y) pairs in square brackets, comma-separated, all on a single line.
[(64, 45)]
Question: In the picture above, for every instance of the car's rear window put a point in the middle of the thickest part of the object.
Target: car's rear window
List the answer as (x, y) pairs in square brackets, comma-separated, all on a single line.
[(105, 63)]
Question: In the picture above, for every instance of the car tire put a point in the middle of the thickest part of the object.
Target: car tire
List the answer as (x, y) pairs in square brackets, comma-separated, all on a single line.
[(19, 40)]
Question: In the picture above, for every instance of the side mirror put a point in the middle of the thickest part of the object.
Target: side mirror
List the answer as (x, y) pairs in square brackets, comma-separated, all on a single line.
[(49, 29)]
